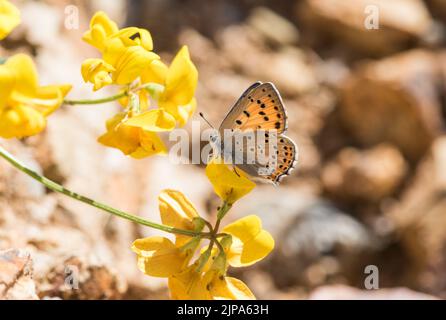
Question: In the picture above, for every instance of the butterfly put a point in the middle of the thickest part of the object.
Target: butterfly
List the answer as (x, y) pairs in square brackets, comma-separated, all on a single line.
[(259, 110)]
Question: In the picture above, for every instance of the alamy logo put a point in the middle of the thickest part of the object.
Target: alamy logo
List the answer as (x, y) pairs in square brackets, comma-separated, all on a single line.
[(71, 17), (71, 277), (371, 21), (371, 282)]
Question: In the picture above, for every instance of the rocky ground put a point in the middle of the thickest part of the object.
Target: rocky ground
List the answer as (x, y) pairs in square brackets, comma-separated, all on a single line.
[(366, 108)]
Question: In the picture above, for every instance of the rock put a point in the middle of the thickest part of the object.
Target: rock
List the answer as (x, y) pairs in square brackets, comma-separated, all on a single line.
[(313, 238), (393, 99), (400, 22), (16, 274), (273, 26), (203, 52), (319, 231), (290, 68), (341, 292), (420, 221), (75, 279), (178, 14), (438, 8), (23, 184), (264, 288), (369, 175)]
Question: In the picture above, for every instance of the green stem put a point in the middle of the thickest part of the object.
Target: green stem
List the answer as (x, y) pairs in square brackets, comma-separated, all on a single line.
[(97, 101), (154, 89), (212, 235), (58, 188), (223, 210)]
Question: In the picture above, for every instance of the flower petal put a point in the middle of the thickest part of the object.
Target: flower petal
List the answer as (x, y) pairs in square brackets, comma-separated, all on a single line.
[(49, 98), (151, 144), (230, 288), (7, 83), (9, 18), (25, 72), (250, 242), (227, 184), (156, 72), (182, 113), (101, 28), (20, 121), (177, 211), (129, 62), (158, 256), (188, 285), (23, 104), (181, 80), (132, 141), (133, 36), (97, 71), (155, 120)]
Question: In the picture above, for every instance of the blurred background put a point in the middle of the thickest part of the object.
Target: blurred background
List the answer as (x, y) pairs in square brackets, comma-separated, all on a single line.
[(366, 108)]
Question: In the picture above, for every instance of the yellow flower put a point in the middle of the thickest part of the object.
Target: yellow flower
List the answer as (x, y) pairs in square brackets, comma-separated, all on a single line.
[(126, 52), (177, 211), (24, 105), (101, 29), (97, 71), (154, 120), (156, 73), (221, 287), (159, 257), (128, 61), (250, 243), (9, 18), (179, 81), (127, 135), (210, 285), (205, 278), (188, 285), (227, 184), (133, 36)]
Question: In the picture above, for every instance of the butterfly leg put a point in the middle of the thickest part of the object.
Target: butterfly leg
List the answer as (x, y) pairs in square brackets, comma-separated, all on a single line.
[(235, 170)]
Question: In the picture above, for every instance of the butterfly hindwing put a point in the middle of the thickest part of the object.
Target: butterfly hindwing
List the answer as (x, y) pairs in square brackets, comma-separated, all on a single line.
[(286, 159), (260, 107), (281, 162)]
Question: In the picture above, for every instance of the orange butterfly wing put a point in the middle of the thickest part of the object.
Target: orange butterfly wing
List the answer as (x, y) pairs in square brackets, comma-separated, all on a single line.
[(261, 108)]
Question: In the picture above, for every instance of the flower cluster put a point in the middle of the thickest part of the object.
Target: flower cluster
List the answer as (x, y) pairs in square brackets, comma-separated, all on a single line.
[(24, 104), (241, 243), (128, 60)]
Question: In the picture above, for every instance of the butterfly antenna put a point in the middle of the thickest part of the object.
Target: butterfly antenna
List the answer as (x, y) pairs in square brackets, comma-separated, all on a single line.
[(202, 115)]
